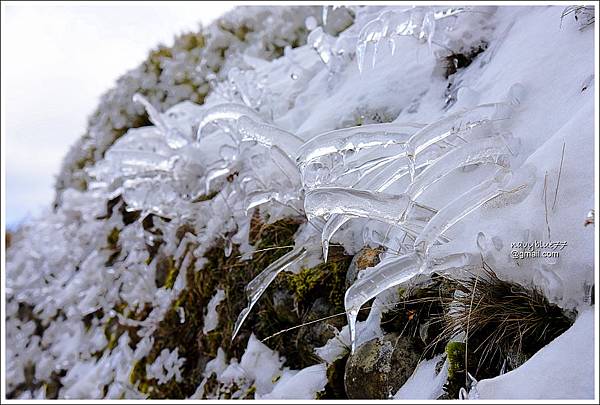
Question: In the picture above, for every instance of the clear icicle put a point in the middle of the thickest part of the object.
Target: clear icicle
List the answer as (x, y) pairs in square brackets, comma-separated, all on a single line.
[(259, 284), (390, 208), (153, 113), (267, 135), (228, 111), (135, 162), (366, 45), (458, 208), (379, 182), (354, 139), (491, 150), (287, 166), (257, 198), (394, 272), (385, 275), (462, 126), (174, 138), (353, 173)]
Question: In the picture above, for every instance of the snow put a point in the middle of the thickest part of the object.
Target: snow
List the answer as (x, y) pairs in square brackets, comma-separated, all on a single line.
[(425, 382), (305, 384), (211, 318), (561, 370)]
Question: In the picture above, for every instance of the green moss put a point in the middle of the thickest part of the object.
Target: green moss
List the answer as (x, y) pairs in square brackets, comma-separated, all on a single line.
[(113, 239), (231, 274), (335, 388), (324, 280), (172, 274), (455, 354)]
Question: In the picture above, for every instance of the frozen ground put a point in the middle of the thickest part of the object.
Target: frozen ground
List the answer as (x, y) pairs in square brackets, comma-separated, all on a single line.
[(467, 163)]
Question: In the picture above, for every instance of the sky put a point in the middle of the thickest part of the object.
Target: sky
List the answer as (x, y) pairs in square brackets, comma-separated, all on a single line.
[(56, 62)]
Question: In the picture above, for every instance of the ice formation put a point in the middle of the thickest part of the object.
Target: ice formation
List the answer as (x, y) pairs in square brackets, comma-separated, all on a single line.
[(281, 134)]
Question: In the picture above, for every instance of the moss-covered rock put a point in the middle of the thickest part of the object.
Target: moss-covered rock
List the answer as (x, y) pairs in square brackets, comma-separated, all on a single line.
[(379, 367)]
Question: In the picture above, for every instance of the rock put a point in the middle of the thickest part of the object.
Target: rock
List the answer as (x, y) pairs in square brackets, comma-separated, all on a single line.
[(381, 366), (366, 257)]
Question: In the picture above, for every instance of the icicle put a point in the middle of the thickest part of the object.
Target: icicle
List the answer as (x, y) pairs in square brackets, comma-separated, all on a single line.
[(287, 166), (228, 111), (214, 174), (258, 198), (354, 139), (173, 137), (491, 150), (135, 162), (390, 208), (259, 284), (462, 126), (385, 275), (322, 43), (366, 46), (353, 173), (379, 182), (267, 135), (457, 209), (393, 272)]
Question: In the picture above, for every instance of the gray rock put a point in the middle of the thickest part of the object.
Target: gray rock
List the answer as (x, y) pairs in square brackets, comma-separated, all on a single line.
[(366, 257), (381, 366)]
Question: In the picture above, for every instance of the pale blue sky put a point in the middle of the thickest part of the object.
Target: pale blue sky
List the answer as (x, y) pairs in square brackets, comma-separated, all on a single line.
[(56, 62)]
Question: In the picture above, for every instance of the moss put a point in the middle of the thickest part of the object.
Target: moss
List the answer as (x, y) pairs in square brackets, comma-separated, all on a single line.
[(166, 272), (335, 388), (419, 312), (172, 274), (455, 354), (113, 239), (227, 273), (324, 280), (287, 303)]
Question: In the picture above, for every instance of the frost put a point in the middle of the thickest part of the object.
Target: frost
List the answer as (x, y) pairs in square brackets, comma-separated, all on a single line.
[(166, 366), (211, 317)]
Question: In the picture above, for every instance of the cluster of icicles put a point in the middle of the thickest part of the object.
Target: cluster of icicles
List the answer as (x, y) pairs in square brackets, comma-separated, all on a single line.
[(344, 174), (381, 36)]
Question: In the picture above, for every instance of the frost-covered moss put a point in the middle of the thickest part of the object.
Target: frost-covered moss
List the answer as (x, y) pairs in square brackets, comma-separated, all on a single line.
[(270, 315)]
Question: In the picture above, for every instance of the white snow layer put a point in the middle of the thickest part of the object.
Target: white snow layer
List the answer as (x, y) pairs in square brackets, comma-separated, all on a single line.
[(561, 370), (211, 318)]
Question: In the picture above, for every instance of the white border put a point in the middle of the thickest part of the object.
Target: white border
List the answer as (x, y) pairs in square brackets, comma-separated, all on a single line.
[(273, 3)]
